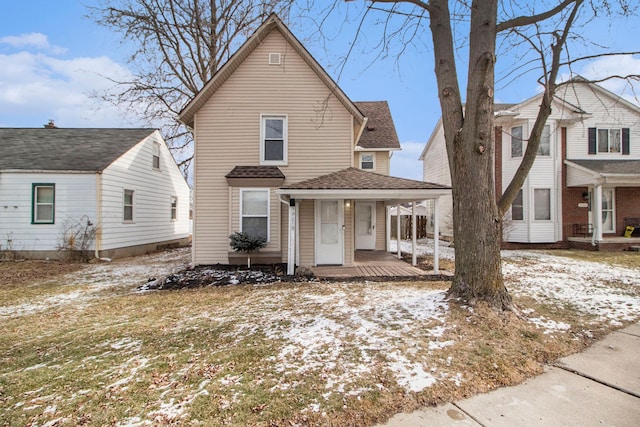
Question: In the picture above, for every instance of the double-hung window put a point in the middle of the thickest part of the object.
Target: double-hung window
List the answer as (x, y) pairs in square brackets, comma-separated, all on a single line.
[(516, 141), (43, 205), (155, 162), (367, 161), (174, 208), (128, 206), (544, 149), (254, 212), (542, 204), (273, 140), (517, 207)]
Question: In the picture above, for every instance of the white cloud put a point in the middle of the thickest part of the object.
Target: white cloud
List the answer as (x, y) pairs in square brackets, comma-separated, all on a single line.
[(35, 40), (619, 65), (37, 87), (405, 163)]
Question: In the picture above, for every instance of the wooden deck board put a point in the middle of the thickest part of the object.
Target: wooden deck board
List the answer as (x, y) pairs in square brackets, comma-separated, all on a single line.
[(371, 264)]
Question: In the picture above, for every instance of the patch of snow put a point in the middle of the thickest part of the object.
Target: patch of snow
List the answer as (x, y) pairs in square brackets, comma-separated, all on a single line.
[(410, 375)]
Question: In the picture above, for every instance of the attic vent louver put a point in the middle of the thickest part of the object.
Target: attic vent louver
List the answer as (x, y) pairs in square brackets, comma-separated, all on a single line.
[(274, 58)]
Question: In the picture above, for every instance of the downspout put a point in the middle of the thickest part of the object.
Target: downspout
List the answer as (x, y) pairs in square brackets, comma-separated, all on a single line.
[(98, 241)]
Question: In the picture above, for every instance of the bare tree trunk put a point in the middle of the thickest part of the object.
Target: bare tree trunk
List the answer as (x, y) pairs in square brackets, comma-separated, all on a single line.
[(470, 146)]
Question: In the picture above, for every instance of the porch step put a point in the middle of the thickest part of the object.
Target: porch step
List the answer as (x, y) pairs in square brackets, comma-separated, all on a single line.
[(635, 248)]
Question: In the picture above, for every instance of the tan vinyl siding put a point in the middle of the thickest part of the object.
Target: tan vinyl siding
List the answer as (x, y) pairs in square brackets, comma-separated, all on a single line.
[(307, 233), (228, 134)]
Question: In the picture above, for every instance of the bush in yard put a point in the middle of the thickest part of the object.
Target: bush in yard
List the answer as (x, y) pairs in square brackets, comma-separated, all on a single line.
[(243, 242), (76, 239)]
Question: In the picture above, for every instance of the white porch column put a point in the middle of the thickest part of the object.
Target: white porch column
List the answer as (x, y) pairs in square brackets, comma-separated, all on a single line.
[(597, 213), (398, 230), (414, 261), (387, 209), (291, 247), (436, 237)]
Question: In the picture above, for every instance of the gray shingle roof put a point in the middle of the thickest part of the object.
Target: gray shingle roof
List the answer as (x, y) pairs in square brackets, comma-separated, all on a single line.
[(86, 150), (606, 167), (357, 179), (380, 131)]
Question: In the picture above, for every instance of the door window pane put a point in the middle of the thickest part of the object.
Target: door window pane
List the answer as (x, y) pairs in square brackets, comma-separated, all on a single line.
[(329, 231)]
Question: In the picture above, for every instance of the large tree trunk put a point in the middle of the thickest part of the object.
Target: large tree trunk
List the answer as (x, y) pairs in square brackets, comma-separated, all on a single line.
[(470, 144)]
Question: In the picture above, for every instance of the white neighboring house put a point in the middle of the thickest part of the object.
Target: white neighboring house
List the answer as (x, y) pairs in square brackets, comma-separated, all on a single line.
[(584, 187), (124, 182)]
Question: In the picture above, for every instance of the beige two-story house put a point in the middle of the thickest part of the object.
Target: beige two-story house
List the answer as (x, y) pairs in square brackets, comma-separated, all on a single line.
[(281, 152)]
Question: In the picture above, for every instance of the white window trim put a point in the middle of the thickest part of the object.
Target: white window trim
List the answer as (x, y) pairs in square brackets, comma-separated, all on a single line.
[(133, 206), (172, 210), (608, 128), (522, 140), (533, 205), (373, 155), (155, 149), (285, 136), (242, 190)]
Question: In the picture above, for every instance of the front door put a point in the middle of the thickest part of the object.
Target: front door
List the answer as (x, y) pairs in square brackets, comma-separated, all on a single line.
[(329, 232), (366, 225)]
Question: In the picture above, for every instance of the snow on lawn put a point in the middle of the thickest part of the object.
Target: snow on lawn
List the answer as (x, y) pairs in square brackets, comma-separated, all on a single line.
[(104, 275)]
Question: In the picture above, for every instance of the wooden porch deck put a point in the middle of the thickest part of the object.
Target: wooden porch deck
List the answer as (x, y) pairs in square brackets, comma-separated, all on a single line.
[(371, 264)]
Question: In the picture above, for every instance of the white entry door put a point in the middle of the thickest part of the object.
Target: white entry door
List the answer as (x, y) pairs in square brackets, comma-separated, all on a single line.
[(365, 225), (329, 233)]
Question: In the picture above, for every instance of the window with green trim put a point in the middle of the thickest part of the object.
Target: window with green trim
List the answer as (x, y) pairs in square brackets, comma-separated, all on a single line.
[(43, 203)]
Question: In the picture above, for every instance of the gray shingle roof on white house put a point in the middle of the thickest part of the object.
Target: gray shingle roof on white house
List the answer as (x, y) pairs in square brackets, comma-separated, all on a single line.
[(57, 149)]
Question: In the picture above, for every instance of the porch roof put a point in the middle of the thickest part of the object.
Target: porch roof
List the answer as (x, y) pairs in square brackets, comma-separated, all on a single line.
[(603, 172), (352, 183)]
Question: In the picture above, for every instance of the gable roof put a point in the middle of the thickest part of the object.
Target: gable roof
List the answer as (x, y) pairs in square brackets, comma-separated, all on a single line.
[(380, 132), (358, 179), (85, 150), (272, 23)]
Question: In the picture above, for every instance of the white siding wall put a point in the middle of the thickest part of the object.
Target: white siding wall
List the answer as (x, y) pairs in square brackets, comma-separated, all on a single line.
[(152, 198), (228, 135), (435, 169), (74, 199), (604, 111)]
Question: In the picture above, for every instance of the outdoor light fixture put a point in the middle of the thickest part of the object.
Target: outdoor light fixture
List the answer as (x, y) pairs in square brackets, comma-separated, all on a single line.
[(347, 203), (585, 195)]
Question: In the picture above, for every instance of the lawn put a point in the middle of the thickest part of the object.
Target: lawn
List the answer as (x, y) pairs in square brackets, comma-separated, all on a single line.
[(84, 347)]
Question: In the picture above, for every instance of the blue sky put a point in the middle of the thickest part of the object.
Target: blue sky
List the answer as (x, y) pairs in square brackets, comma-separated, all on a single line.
[(52, 58)]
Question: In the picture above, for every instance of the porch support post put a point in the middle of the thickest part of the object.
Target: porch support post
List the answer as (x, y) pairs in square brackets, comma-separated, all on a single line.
[(597, 213), (398, 230), (414, 261), (436, 237), (291, 247), (387, 209)]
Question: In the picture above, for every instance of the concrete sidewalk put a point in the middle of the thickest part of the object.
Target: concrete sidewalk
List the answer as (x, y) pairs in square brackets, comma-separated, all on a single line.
[(598, 387)]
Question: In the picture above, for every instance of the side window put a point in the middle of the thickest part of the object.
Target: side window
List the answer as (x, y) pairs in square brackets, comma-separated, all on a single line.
[(174, 208), (156, 156), (127, 213), (516, 141), (517, 207), (43, 198), (254, 212), (273, 140), (609, 140), (544, 149), (367, 161), (542, 204)]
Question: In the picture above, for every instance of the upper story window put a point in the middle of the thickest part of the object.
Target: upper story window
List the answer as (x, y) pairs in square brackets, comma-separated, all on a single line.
[(273, 140), (156, 156), (127, 212), (609, 140), (544, 149), (43, 203), (367, 161), (516, 141)]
